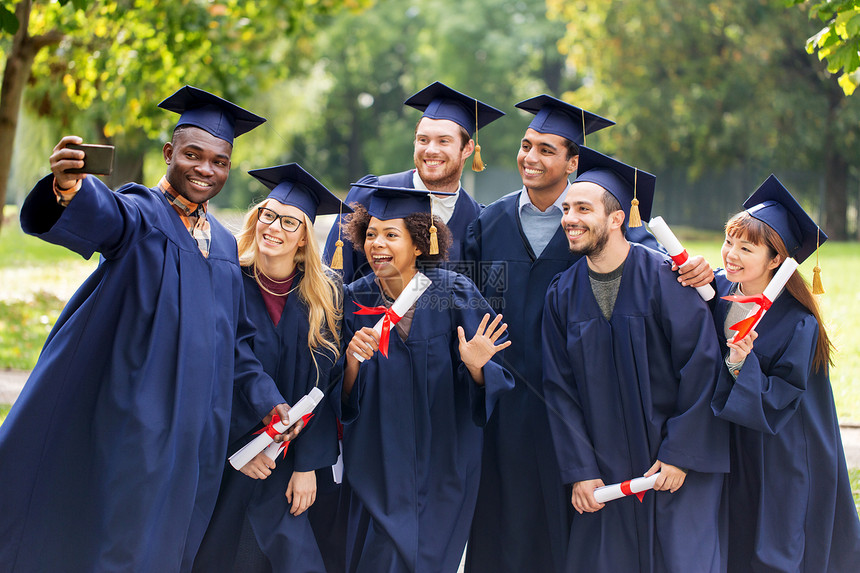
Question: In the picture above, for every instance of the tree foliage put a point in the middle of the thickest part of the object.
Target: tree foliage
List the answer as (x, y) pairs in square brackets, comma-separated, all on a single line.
[(839, 40), (714, 86)]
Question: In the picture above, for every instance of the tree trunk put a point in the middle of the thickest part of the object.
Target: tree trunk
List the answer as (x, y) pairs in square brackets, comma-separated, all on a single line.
[(836, 208), (19, 63)]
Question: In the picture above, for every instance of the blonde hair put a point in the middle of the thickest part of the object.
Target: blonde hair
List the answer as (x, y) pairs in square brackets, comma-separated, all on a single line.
[(746, 227), (319, 288)]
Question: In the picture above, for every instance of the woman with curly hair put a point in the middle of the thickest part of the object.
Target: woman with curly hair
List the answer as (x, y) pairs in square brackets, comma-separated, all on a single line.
[(413, 401), (260, 523), (789, 498)]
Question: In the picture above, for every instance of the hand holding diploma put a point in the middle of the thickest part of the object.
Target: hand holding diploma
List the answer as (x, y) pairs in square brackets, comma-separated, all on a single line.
[(259, 468), (277, 427), (764, 300), (390, 316), (671, 477), (582, 497), (636, 486), (698, 274)]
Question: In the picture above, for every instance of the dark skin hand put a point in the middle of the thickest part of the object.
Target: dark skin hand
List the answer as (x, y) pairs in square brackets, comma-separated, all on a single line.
[(64, 158)]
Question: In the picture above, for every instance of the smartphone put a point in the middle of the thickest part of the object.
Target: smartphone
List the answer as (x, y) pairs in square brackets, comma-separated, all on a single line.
[(98, 159)]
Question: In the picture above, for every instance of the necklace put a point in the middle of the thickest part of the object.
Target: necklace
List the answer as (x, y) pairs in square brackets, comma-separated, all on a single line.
[(261, 278)]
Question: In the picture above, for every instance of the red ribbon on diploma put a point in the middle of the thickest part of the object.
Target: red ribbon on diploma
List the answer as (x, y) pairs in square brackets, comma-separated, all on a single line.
[(625, 488), (680, 258), (746, 325), (391, 319), (270, 429)]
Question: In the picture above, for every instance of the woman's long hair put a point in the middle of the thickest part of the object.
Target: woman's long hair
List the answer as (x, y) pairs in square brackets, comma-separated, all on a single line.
[(319, 288), (744, 226)]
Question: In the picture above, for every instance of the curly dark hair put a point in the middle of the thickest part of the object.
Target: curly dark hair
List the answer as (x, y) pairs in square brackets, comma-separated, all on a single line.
[(418, 226)]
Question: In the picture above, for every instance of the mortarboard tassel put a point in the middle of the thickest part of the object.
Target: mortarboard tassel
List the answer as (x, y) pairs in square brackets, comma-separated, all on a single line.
[(434, 240), (337, 257), (477, 162), (635, 218), (817, 287)]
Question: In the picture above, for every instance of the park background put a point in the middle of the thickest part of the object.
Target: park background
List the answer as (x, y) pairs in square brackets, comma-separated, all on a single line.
[(711, 96)]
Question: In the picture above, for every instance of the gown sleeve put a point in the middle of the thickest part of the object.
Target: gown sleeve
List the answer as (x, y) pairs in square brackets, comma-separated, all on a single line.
[(573, 445), (255, 386), (694, 438), (765, 402), (470, 308), (96, 220)]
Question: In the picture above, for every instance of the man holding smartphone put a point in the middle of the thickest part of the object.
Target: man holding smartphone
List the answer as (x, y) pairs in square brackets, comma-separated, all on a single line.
[(113, 454)]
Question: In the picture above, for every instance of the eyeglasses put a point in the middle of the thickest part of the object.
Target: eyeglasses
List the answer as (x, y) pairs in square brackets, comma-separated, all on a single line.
[(288, 223)]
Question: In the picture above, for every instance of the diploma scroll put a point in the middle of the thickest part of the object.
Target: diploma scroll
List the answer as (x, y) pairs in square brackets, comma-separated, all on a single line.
[(413, 290), (637, 487), (763, 300), (277, 426), (676, 251)]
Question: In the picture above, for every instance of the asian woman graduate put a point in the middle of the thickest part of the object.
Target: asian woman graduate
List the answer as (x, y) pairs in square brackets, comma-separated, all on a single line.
[(790, 503), (414, 398), (260, 523)]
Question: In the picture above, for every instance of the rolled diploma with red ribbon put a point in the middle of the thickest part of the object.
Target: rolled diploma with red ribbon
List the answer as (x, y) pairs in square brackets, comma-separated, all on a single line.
[(275, 448), (414, 289), (637, 487), (676, 251), (771, 291), (277, 426)]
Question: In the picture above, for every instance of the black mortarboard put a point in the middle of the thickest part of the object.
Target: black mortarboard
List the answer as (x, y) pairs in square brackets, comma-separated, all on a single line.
[(772, 204), (397, 202), (626, 183), (223, 119), (438, 101), (555, 116), (292, 185)]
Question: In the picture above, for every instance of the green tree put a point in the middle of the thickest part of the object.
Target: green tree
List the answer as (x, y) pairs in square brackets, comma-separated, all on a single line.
[(498, 51), (112, 60), (839, 40), (714, 86)]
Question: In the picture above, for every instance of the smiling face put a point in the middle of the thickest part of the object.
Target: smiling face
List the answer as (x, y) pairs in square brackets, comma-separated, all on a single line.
[(585, 221), (543, 162), (273, 241), (440, 153), (750, 264), (198, 163), (390, 250)]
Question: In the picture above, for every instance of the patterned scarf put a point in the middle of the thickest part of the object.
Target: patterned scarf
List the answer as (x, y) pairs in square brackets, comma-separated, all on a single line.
[(200, 231)]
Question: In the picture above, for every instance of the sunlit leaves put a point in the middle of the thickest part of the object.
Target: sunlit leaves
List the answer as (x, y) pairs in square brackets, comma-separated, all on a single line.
[(839, 41)]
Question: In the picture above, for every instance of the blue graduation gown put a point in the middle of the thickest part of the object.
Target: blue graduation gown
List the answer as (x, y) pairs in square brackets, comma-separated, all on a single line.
[(355, 263), (412, 439), (286, 540), (112, 455), (790, 502), (629, 391), (520, 480)]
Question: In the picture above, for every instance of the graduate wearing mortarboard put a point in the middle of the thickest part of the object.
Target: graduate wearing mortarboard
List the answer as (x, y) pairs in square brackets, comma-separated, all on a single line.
[(789, 495), (412, 410), (260, 523), (112, 455), (630, 364), (517, 246), (445, 137)]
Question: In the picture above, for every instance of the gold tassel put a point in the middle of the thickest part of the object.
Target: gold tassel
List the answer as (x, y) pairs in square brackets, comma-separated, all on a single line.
[(337, 257), (477, 162), (434, 241), (635, 218), (817, 287)]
